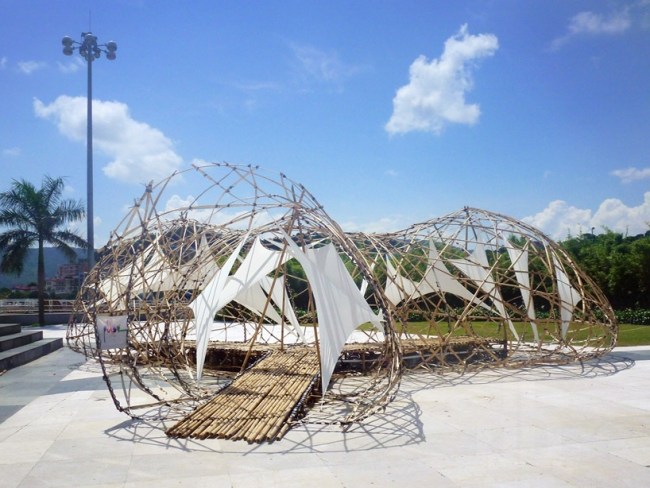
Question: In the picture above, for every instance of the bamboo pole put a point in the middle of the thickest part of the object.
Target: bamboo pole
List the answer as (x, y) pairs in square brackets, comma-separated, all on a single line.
[(257, 406)]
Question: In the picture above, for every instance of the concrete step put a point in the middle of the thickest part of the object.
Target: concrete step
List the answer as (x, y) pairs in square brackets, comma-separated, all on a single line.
[(22, 338), (8, 329), (29, 352)]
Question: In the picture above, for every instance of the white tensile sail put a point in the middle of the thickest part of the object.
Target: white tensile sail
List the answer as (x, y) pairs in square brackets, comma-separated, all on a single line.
[(340, 306), (519, 260), (476, 267), (255, 298), (569, 296), (398, 287), (206, 305), (438, 278)]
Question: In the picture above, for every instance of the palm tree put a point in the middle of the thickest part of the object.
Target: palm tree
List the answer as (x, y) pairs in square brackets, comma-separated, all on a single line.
[(35, 217)]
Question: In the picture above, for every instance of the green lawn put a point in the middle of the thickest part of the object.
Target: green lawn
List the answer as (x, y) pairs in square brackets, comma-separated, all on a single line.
[(633, 335), (628, 335)]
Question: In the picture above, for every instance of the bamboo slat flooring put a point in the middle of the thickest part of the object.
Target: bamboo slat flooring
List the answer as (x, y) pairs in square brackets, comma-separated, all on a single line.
[(258, 405)]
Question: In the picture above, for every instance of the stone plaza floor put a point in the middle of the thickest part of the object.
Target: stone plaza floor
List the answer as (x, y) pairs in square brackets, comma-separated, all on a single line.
[(550, 426)]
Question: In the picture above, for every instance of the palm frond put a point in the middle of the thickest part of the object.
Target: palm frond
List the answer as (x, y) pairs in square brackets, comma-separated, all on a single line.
[(14, 218), (13, 236), (51, 191), (21, 198), (66, 237), (69, 211), (13, 256)]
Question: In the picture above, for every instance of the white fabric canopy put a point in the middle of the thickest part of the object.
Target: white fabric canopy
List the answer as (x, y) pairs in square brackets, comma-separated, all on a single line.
[(249, 286), (478, 270), (364, 283), (115, 286), (519, 260), (340, 306), (255, 297), (206, 305), (281, 300), (258, 263), (398, 287), (196, 277), (569, 296), (150, 276), (438, 278)]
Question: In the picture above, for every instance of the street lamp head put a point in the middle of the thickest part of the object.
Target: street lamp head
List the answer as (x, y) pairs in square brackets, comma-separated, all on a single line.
[(111, 47), (67, 45), (89, 38), (88, 47)]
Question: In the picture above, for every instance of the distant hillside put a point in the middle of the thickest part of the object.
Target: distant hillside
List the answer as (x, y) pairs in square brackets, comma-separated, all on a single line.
[(53, 259)]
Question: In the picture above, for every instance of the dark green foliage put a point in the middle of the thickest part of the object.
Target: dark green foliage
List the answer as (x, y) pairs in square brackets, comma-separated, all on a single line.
[(633, 316), (620, 266)]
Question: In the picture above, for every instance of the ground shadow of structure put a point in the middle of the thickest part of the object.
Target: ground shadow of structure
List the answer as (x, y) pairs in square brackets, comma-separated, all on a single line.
[(604, 366), (398, 425)]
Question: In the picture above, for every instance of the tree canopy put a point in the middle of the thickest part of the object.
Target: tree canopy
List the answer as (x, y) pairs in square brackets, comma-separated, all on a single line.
[(32, 217), (620, 265)]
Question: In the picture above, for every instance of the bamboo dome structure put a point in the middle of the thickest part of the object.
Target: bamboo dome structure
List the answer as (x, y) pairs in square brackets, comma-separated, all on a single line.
[(243, 304), (476, 288), (190, 292)]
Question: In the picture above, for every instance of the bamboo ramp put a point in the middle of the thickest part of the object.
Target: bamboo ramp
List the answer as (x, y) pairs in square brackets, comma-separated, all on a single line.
[(259, 404)]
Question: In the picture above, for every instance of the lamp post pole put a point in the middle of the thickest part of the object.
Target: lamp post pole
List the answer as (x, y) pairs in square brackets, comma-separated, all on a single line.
[(89, 50), (90, 224)]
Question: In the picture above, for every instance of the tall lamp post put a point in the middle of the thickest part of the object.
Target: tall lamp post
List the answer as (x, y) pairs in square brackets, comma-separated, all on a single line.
[(89, 50)]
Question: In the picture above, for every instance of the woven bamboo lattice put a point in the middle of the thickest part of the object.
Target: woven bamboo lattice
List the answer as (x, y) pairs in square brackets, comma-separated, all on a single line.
[(483, 275), (251, 265), (259, 405), (246, 236)]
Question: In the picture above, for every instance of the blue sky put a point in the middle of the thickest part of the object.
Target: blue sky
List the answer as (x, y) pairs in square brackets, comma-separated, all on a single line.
[(389, 112)]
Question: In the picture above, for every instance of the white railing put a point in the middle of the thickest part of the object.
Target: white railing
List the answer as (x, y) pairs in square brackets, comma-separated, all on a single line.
[(30, 305)]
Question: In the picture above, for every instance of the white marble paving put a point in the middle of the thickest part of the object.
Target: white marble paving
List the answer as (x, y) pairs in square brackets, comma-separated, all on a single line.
[(575, 425)]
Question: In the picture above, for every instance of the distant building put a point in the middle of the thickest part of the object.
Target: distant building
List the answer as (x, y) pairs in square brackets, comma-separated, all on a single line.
[(24, 288), (68, 279)]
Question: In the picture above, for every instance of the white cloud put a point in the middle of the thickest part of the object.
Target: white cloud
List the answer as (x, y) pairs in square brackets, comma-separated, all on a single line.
[(176, 201), (391, 172), (435, 94), (3, 62), (255, 86), (222, 216), (28, 67), (322, 66), (140, 152), (384, 224), (71, 66), (11, 152), (628, 175), (559, 219), (590, 23)]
